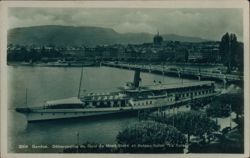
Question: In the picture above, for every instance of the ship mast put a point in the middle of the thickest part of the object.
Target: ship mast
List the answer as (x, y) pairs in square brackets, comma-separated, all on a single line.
[(80, 84)]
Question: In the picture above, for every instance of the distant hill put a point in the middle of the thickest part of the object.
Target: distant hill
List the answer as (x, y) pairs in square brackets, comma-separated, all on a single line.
[(82, 35)]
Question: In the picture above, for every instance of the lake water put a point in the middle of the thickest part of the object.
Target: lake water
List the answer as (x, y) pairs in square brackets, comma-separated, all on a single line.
[(47, 83)]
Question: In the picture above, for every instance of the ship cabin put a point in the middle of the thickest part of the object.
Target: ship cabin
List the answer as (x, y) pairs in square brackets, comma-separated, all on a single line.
[(180, 91), (102, 100)]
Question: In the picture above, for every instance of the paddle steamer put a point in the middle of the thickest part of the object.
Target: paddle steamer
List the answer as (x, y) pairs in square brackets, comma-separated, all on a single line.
[(131, 98)]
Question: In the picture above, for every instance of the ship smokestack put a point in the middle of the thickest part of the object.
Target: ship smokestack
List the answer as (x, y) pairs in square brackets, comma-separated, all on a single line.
[(137, 78)]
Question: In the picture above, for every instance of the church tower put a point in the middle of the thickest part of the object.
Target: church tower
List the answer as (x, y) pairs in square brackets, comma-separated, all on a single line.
[(158, 39)]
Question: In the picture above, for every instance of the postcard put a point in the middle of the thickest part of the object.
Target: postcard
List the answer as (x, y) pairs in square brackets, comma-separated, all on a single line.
[(124, 78)]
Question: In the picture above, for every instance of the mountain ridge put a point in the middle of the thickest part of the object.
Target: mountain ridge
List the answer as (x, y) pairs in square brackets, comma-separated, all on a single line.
[(60, 35)]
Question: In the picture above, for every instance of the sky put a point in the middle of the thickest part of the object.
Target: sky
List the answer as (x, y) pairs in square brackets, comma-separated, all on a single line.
[(205, 23)]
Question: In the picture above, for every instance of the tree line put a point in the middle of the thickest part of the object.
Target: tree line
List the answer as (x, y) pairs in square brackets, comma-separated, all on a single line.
[(231, 52)]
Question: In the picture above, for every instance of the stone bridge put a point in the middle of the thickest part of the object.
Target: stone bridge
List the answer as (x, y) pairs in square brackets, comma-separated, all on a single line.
[(198, 73)]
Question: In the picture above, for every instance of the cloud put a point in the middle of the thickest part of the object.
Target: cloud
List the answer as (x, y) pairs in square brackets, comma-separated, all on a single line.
[(205, 23)]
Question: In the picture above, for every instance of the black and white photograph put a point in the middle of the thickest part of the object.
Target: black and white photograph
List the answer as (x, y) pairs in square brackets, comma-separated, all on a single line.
[(103, 78)]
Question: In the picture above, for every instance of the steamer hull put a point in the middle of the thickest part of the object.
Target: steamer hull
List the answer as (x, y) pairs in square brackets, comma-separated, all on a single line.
[(56, 114), (37, 115)]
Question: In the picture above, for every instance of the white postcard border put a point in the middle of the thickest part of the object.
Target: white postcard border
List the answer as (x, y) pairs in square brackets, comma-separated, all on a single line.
[(120, 4)]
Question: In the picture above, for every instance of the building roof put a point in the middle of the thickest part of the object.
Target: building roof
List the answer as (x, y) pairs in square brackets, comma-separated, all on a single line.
[(73, 100)]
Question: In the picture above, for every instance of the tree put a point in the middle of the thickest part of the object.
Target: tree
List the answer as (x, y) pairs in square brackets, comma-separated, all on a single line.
[(239, 60), (218, 109), (235, 100), (24, 53), (231, 54), (191, 123), (150, 132), (224, 48)]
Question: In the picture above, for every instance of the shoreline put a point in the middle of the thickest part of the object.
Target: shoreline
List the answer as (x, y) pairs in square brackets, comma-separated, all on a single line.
[(78, 64), (52, 64)]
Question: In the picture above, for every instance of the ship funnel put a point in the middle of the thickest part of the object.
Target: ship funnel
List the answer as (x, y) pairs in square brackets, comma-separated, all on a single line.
[(137, 78)]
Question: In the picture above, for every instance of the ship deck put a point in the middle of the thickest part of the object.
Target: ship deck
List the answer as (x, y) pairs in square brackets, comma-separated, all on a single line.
[(160, 87)]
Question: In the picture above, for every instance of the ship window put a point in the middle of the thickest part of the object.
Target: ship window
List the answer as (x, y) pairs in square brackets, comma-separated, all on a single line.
[(53, 113), (150, 102), (41, 113)]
